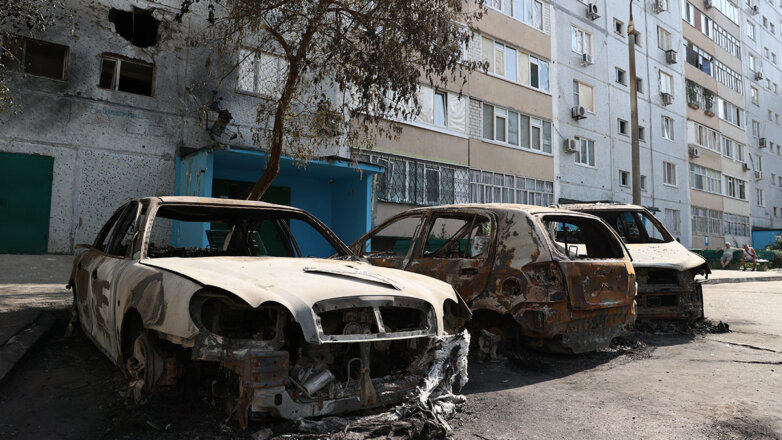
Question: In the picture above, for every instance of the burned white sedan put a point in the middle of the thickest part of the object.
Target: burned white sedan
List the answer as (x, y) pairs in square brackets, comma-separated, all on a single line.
[(263, 298)]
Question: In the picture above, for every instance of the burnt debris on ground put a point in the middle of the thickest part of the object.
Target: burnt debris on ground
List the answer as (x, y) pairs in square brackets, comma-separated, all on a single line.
[(699, 327)]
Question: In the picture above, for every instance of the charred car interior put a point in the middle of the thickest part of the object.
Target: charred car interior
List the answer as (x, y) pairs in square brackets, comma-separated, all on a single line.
[(553, 280), (254, 306), (665, 270)]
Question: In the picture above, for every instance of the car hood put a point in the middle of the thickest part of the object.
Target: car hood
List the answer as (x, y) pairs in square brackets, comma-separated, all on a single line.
[(670, 255), (299, 283)]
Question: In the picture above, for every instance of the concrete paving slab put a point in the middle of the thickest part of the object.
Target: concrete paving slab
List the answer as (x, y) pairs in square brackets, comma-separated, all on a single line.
[(18, 345)]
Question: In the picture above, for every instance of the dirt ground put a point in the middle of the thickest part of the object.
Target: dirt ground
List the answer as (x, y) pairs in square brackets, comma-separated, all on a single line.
[(670, 385)]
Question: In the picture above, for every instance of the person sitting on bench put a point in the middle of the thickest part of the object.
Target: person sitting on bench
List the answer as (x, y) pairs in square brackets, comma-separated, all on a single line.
[(727, 256), (749, 256)]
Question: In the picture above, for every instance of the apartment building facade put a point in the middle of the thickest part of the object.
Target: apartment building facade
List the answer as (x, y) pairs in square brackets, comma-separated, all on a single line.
[(593, 106), (493, 142)]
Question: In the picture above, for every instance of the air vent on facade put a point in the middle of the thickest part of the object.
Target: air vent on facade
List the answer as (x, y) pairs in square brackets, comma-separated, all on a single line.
[(670, 56), (660, 6), (578, 112), (571, 145), (592, 11), (586, 60)]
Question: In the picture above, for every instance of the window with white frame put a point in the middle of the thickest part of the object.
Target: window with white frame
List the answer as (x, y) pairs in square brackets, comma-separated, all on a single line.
[(668, 131), (754, 95), (621, 76), (643, 182), (489, 187), (584, 95), (735, 188), (663, 39), (586, 152), (706, 221), (729, 112), (529, 12), (703, 136), (673, 220), (622, 127), (515, 65), (517, 129), (624, 178), (669, 174), (750, 30), (705, 179), (581, 41), (442, 109), (666, 83), (755, 128), (760, 197), (736, 225)]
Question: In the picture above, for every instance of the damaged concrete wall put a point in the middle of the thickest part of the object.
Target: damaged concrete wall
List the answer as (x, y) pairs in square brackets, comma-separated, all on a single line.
[(110, 145)]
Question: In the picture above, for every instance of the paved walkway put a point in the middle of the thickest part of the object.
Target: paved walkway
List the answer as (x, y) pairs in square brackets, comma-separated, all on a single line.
[(739, 276)]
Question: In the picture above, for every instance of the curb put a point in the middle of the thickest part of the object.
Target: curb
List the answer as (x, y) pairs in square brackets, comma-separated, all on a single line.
[(20, 344), (742, 280)]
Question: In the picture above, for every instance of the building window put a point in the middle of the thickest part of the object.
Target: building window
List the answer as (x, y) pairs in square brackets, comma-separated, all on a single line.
[(581, 41), (126, 75), (735, 188), (760, 195), (750, 30), (639, 85), (517, 129), (642, 134), (755, 128), (753, 62), (698, 58), (619, 27), (440, 109), (705, 179), (488, 187), (754, 95), (706, 221), (529, 12), (663, 39), (666, 83), (261, 73), (704, 136), (669, 173), (637, 38), (729, 112), (621, 76), (412, 181), (514, 65), (643, 182), (624, 178), (584, 96), (622, 126), (673, 220), (736, 225), (668, 128), (586, 152), (36, 57)]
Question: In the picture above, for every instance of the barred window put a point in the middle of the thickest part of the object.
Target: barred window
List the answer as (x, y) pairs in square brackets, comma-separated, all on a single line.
[(673, 220), (418, 182), (488, 187), (706, 221)]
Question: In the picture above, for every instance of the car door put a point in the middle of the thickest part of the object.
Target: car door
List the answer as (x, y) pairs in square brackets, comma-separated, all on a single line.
[(458, 248), (104, 276), (391, 243)]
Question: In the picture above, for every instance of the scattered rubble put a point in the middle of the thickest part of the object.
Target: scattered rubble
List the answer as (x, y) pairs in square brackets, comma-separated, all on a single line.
[(699, 327)]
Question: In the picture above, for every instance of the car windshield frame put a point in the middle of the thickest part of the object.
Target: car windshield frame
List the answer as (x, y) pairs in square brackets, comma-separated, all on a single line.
[(280, 212)]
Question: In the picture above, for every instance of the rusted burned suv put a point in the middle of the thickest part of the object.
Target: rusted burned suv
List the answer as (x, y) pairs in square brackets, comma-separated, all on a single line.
[(561, 279), (237, 288), (666, 270)]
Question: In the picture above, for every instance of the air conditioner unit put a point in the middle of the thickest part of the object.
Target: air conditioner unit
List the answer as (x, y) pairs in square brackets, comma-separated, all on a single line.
[(762, 142), (758, 175), (660, 6), (708, 4), (667, 98), (694, 152), (670, 56), (586, 60), (592, 11), (745, 166), (578, 112), (571, 145), (759, 75), (754, 9)]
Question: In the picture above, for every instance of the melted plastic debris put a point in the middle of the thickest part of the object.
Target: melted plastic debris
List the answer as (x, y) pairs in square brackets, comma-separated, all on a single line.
[(424, 415)]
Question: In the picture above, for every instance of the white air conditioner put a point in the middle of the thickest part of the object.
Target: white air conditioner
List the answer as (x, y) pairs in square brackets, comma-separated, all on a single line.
[(758, 175), (660, 6), (578, 112), (586, 60), (759, 75), (745, 166), (754, 9), (694, 152), (571, 145), (667, 98), (762, 142), (708, 4), (592, 11), (670, 56)]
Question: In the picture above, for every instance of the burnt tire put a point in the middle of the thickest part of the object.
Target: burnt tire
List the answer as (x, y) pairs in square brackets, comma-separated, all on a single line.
[(145, 366)]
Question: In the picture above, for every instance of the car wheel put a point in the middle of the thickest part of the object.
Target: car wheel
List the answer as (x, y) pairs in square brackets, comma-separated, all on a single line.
[(145, 367)]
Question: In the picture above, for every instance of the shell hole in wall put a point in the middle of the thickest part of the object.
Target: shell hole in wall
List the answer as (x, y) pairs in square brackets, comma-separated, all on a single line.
[(137, 26)]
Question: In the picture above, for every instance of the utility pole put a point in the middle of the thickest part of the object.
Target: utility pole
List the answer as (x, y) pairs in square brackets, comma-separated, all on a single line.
[(636, 148)]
